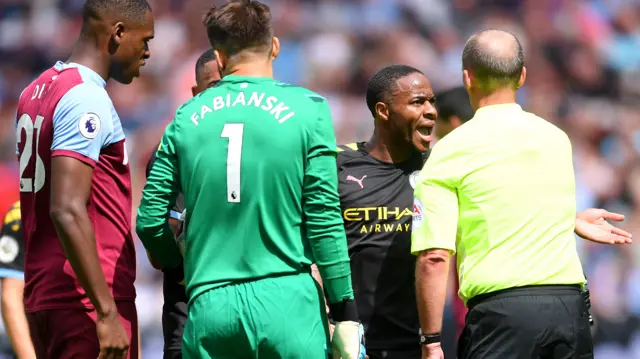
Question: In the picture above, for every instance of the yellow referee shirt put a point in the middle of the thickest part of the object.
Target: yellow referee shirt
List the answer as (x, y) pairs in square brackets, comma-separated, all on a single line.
[(500, 191)]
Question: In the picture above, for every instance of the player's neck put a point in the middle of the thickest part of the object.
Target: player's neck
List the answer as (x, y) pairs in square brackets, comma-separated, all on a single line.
[(498, 97), (387, 149), (257, 68), (86, 54)]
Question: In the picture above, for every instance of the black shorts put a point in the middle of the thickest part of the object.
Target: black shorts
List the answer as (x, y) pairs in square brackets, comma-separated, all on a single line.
[(537, 322)]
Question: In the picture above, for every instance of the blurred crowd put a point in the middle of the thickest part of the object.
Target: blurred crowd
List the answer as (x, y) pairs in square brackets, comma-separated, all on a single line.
[(582, 57)]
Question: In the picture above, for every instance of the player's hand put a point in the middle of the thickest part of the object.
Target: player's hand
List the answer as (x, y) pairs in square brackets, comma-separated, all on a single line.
[(348, 341), (113, 338), (432, 351), (592, 225)]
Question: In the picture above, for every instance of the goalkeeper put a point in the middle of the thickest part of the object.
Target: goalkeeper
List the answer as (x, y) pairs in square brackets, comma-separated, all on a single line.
[(255, 161)]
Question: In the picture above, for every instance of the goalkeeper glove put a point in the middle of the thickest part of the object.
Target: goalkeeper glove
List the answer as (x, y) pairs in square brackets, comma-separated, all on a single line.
[(348, 341), (348, 333)]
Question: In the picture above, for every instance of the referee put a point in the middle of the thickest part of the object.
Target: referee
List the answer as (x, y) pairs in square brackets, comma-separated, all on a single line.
[(500, 191)]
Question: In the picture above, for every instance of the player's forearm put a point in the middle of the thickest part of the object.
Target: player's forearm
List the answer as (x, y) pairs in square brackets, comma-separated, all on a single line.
[(78, 241), (325, 231), (334, 269), (325, 228), (175, 227), (158, 239), (335, 273), (14, 318), (158, 197), (432, 270)]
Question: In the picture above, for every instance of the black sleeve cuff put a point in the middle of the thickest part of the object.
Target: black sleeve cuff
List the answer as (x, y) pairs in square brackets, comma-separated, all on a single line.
[(344, 311)]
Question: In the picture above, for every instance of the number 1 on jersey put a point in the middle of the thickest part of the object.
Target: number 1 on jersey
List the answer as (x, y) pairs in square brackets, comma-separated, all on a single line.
[(234, 132)]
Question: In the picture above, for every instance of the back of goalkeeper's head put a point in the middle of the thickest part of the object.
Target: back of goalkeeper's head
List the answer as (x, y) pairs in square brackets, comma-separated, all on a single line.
[(454, 109)]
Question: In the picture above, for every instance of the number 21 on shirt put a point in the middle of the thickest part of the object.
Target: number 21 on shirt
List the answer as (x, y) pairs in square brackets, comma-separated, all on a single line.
[(234, 132), (32, 131)]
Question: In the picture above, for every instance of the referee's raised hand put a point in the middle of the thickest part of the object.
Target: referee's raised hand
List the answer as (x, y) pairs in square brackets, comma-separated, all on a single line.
[(592, 225)]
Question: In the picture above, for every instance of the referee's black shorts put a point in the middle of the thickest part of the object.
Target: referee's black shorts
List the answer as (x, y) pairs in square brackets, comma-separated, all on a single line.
[(536, 322)]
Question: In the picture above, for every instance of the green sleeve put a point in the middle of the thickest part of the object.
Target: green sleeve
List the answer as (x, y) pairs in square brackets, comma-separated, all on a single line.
[(321, 205), (158, 196)]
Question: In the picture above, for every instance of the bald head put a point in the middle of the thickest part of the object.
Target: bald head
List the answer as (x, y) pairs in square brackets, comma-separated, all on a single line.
[(495, 58)]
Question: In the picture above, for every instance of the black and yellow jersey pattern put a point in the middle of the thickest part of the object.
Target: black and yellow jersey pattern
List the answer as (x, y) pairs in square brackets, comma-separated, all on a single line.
[(377, 202), (12, 245)]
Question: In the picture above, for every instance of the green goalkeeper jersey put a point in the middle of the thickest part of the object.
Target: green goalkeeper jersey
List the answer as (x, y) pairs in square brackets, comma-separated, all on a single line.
[(255, 161)]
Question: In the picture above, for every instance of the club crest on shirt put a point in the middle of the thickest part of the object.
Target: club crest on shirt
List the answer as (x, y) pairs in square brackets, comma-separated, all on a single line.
[(418, 214), (413, 178), (8, 249), (89, 125)]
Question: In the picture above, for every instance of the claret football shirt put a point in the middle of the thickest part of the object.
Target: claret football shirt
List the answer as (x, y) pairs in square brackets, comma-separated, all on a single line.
[(67, 112)]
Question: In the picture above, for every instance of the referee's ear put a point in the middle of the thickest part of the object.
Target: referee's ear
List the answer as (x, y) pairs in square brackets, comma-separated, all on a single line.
[(382, 111), (523, 77)]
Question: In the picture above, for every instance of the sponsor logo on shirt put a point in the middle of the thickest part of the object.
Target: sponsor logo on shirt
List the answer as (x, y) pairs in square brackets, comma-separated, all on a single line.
[(418, 214), (357, 180), (89, 125), (380, 219)]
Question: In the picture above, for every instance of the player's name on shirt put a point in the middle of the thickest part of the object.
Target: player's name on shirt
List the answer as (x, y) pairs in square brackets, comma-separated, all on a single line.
[(276, 108), (385, 219)]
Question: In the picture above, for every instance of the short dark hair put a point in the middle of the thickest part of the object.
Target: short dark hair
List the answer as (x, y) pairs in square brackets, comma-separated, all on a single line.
[(204, 59), (383, 83), (491, 68), (240, 25), (454, 102), (134, 10)]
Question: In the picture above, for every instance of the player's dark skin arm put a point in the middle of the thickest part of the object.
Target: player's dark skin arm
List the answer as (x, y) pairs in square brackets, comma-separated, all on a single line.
[(432, 272), (70, 190)]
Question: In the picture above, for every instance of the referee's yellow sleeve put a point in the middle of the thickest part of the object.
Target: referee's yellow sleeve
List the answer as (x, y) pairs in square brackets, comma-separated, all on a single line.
[(435, 207), (435, 217)]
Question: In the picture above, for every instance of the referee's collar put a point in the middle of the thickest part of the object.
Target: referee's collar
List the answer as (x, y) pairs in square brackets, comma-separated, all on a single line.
[(505, 107)]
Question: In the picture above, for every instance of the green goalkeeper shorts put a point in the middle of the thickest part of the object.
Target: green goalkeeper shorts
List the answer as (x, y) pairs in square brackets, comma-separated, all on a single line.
[(274, 317)]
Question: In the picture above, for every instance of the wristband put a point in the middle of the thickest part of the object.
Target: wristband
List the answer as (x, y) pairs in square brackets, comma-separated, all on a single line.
[(426, 339), (344, 311), (175, 215)]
